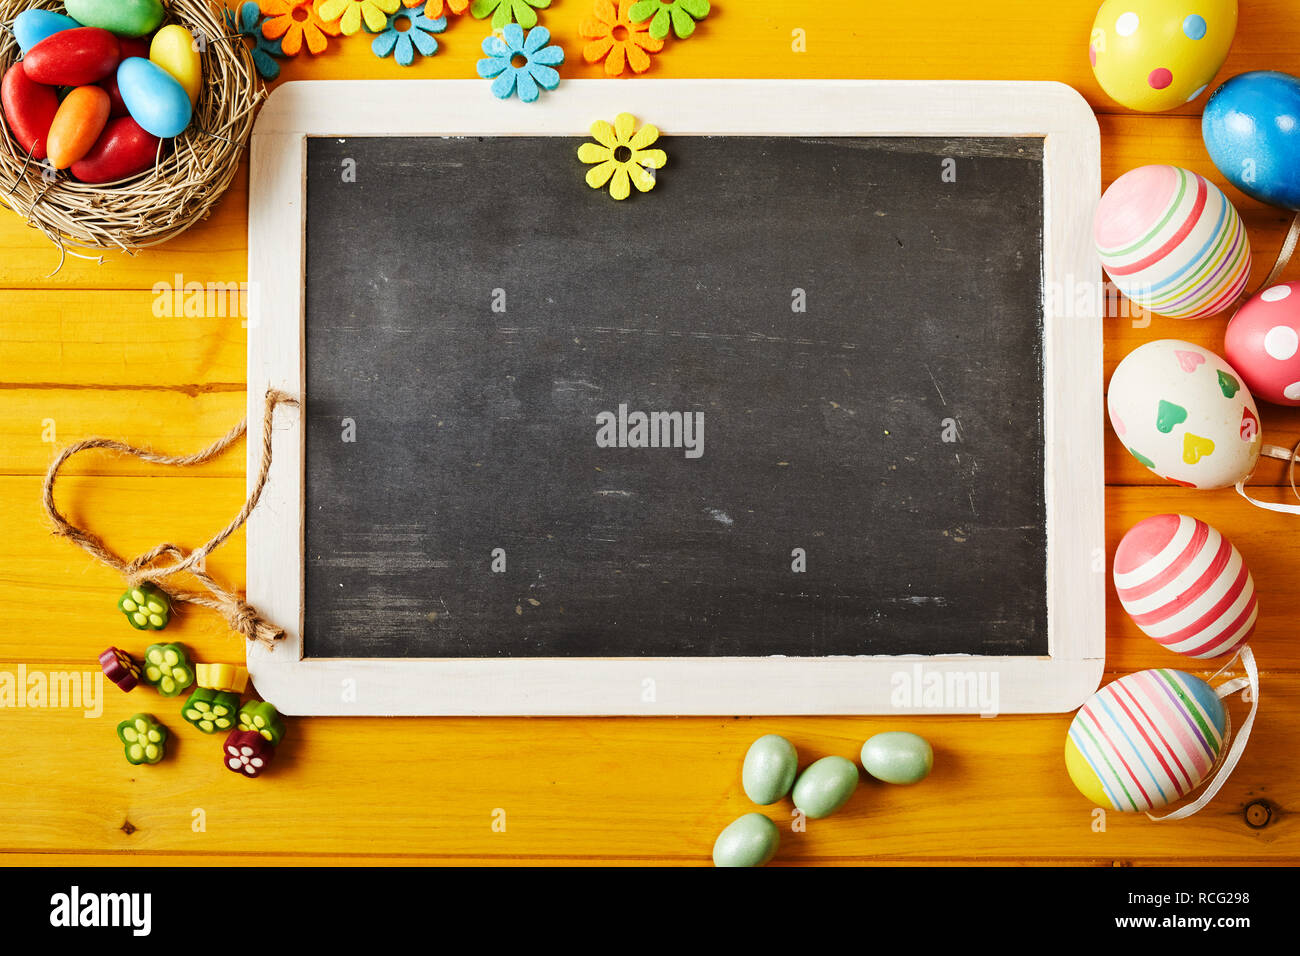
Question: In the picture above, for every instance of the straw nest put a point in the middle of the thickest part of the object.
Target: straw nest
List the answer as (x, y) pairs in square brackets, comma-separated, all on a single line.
[(193, 170)]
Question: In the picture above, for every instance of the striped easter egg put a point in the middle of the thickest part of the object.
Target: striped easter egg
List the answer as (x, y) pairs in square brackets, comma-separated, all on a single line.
[(1185, 586), (1145, 740), (1172, 242)]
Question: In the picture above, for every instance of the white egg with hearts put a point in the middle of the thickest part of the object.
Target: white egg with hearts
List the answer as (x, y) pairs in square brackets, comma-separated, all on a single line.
[(1185, 413)]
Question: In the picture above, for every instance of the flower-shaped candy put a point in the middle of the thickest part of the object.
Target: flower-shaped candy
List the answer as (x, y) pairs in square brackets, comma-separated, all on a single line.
[(350, 13), (211, 710), (143, 738), (247, 752), (538, 62), (439, 8), (614, 38), (503, 11), (167, 667), (295, 21), (417, 34), (248, 24), (262, 718), (119, 668), (622, 156), (229, 677), (682, 14), (146, 607)]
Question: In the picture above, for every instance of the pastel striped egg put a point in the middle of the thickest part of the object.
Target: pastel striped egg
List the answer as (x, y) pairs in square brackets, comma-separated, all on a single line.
[(1186, 586), (1145, 740), (1172, 242)]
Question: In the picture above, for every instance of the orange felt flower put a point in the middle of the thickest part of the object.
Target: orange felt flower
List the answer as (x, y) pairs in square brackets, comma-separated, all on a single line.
[(297, 21), (434, 9), (616, 39)]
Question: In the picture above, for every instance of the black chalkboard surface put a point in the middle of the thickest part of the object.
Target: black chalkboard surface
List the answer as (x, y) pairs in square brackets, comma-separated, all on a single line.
[(857, 323)]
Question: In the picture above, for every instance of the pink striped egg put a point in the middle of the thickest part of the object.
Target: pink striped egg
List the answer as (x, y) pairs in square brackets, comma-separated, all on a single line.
[(1145, 740), (1172, 242), (1185, 586)]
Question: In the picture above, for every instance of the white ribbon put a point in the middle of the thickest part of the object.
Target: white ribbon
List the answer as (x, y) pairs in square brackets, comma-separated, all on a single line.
[(1228, 755), (1287, 455)]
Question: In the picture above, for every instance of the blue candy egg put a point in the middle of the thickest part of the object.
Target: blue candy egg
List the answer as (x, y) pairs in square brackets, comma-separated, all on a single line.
[(153, 97), (1251, 128), (33, 26)]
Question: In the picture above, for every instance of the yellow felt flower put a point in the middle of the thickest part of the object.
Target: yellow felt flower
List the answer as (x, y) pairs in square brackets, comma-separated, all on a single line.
[(621, 156), (350, 13)]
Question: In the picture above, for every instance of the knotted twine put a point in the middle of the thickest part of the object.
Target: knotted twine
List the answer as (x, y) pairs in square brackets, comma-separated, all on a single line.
[(242, 617)]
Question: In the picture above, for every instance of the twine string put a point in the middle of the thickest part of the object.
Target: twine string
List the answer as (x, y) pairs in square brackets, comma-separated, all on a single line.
[(242, 617)]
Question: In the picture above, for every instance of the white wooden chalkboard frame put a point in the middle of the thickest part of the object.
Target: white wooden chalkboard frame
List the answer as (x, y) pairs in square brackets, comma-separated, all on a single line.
[(1072, 403)]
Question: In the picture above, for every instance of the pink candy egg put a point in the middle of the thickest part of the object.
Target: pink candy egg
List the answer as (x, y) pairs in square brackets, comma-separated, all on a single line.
[(1185, 586), (1263, 343)]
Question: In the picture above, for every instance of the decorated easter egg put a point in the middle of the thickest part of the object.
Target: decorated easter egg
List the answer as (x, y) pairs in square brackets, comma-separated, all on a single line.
[(29, 109), (1263, 343), (174, 50), (32, 26), (1145, 740), (124, 149), (1154, 55), (1251, 128), (153, 97), (73, 57), (769, 769), (1185, 586), (1172, 242), (1184, 413), (126, 18), (750, 840), (77, 124)]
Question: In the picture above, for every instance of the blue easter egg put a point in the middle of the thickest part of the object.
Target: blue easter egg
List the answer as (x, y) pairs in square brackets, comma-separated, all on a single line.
[(32, 26), (153, 97), (1251, 128)]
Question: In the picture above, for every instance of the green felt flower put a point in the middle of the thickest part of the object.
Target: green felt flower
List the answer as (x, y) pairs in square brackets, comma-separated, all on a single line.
[(146, 607), (167, 667), (681, 13), (143, 738), (211, 710), (504, 11), (262, 718)]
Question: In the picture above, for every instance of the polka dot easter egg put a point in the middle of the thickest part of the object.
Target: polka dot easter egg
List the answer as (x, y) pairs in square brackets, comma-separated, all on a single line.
[(1184, 413), (1185, 586), (1145, 740), (1263, 342), (1172, 242), (1154, 55)]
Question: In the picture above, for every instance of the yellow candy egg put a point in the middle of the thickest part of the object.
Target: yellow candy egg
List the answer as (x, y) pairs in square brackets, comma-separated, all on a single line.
[(173, 49), (1154, 55)]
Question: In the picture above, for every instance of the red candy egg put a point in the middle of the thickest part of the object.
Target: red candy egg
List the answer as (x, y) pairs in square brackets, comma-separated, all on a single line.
[(73, 57), (29, 109), (122, 150), (1263, 343)]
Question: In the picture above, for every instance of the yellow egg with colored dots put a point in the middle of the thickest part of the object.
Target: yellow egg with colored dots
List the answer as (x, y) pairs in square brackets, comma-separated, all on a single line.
[(1154, 55)]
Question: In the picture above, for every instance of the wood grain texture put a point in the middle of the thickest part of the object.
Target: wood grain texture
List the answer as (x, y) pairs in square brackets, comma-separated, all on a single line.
[(576, 791)]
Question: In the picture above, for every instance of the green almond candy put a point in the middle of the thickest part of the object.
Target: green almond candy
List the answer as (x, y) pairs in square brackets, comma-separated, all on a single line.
[(751, 840), (825, 786), (263, 718), (898, 757), (769, 769), (143, 739), (125, 18)]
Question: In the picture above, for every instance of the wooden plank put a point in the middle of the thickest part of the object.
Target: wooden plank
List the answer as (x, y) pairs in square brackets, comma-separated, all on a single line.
[(598, 788)]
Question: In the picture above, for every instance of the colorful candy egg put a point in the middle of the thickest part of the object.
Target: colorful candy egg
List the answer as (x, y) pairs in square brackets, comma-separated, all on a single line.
[(29, 109), (173, 49), (153, 97), (77, 124), (73, 57), (1263, 342), (1185, 586), (1184, 413), (32, 26), (126, 18), (123, 150), (1172, 242), (1154, 55), (1251, 128), (1145, 740)]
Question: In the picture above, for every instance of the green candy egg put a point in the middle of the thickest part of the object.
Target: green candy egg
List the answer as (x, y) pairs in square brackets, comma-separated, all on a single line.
[(825, 786), (897, 757), (750, 840), (769, 769), (125, 18)]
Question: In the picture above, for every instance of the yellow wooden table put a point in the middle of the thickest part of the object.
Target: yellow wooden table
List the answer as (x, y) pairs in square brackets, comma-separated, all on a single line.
[(83, 353)]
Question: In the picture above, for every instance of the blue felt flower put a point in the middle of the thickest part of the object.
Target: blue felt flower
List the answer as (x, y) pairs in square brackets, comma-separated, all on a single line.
[(249, 25), (536, 69), (418, 35)]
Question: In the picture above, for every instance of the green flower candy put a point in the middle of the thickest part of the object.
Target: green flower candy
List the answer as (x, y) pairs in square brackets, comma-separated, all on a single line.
[(146, 607), (143, 738), (167, 667), (211, 710), (262, 718)]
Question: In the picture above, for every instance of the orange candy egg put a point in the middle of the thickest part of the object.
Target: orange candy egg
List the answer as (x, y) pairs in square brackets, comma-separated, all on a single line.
[(77, 124)]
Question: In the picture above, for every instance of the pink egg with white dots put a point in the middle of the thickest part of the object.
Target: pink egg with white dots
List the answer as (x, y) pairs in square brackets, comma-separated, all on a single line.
[(1263, 344)]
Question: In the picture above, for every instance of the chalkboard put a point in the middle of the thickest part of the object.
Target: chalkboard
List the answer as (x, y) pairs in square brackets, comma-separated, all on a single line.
[(795, 402)]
